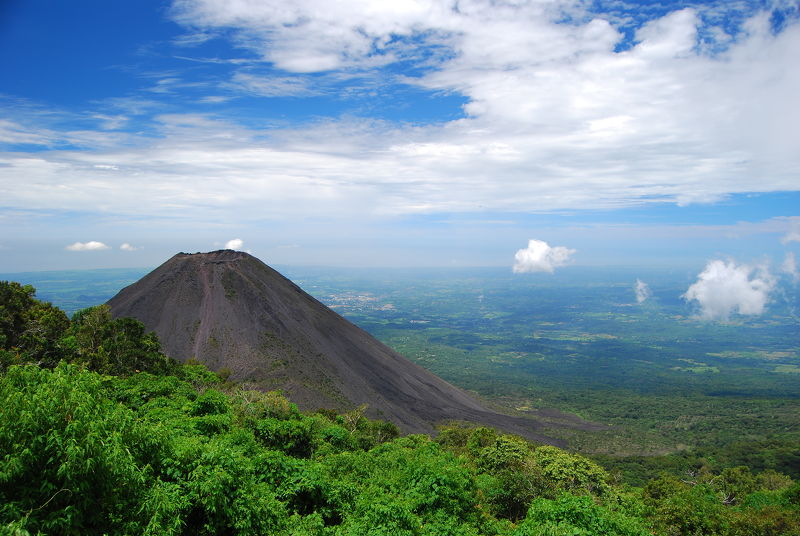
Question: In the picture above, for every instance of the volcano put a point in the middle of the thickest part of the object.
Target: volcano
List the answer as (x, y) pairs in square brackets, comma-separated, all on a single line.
[(230, 310)]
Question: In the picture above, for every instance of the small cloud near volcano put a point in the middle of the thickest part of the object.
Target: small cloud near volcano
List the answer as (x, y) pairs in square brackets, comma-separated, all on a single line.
[(642, 291), (539, 256)]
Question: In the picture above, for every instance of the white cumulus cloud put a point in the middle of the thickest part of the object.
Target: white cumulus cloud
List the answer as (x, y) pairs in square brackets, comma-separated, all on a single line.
[(127, 247), (539, 256), (724, 288), (236, 243), (92, 245), (642, 291)]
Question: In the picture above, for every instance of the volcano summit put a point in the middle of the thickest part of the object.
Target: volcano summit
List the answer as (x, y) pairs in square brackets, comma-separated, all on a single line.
[(228, 309)]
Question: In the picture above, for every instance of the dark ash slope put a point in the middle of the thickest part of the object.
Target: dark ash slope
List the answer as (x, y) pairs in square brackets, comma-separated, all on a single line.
[(229, 309)]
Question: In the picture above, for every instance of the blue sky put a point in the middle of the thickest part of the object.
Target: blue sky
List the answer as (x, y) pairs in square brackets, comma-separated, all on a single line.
[(403, 133)]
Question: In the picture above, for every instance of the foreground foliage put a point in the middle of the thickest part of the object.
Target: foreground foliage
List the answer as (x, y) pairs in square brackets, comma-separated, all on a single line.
[(32, 331), (123, 441), (86, 453)]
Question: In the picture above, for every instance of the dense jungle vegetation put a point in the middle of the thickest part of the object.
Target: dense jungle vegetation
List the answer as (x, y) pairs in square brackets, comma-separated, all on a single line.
[(100, 433)]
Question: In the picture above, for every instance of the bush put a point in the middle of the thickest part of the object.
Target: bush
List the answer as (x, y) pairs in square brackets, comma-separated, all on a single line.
[(74, 462), (577, 516), (294, 437)]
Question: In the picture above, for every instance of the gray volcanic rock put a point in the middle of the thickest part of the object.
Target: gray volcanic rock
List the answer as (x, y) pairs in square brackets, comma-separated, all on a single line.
[(228, 309)]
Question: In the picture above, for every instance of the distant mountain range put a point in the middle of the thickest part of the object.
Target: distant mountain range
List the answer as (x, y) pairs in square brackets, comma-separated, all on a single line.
[(230, 310)]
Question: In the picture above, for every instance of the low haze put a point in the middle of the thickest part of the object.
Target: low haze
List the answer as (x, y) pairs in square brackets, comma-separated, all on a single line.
[(419, 133)]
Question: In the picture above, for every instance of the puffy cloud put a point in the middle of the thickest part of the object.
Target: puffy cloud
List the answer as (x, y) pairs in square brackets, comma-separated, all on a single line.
[(642, 291), (236, 243), (724, 288), (311, 35), (127, 247), (540, 257), (789, 266), (92, 245)]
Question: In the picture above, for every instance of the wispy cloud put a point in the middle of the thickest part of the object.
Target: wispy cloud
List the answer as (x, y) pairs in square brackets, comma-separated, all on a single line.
[(789, 266), (223, 61), (794, 232), (724, 288), (111, 122), (539, 256), (92, 245), (270, 85), (214, 99), (12, 132), (128, 247), (173, 84), (131, 105)]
